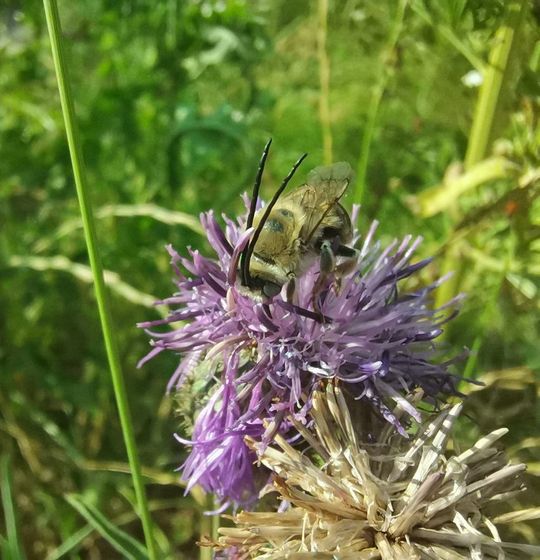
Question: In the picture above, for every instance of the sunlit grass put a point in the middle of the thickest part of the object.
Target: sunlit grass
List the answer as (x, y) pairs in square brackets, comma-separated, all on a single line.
[(174, 103)]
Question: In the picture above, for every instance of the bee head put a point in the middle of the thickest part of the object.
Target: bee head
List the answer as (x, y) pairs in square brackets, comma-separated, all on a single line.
[(271, 235)]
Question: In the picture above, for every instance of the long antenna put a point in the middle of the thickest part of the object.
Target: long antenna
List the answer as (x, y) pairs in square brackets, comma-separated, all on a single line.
[(251, 247), (257, 184), (244, 270)]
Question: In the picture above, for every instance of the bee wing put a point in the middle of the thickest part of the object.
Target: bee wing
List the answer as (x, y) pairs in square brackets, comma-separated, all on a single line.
[(324, 185), (323, 189), (331, 181)]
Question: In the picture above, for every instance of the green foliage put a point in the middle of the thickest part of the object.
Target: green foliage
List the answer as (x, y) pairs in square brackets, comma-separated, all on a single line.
[(10, 546), (121, 541), (175, 101)]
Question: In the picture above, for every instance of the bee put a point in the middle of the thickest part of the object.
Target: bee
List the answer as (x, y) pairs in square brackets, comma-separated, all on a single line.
[(296, 229)]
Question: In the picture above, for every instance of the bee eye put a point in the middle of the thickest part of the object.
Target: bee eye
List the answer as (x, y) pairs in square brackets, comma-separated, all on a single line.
[(270, 289), (274, 225)]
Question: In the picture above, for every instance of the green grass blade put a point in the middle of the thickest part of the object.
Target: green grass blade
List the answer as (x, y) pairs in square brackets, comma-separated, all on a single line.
[(12, 544), (71, 544), (66, 98), (120, 540)]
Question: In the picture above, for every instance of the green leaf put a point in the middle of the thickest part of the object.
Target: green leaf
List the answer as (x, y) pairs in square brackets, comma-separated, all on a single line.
[(11, 547), (120, 540)]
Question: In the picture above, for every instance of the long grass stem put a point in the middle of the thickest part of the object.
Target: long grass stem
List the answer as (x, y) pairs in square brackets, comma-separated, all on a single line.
[(75, 149), (324, 79)]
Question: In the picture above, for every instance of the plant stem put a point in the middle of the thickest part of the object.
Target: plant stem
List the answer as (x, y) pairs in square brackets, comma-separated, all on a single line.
[(207, 528), (324, 79), (489, 94), (482, 126), (75, 149), (375, 101)]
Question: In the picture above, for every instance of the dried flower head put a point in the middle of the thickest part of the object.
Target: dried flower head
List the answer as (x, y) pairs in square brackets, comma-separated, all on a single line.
[(394, 499), (266, 357)]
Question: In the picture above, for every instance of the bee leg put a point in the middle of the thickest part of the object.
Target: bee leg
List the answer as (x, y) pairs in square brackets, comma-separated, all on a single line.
[(328, 259), (344, 251), (291, 288), (327, 266), (347, 266), (342, 269)]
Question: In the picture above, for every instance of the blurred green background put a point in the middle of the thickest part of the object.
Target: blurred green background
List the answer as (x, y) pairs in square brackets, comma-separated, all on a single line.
[(175, 101)]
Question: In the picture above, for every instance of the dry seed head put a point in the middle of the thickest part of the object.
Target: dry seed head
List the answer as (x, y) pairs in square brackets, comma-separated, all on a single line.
[(397, 499)]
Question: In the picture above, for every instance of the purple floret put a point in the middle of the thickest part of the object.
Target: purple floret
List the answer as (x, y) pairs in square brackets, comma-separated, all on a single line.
[(373, 338)]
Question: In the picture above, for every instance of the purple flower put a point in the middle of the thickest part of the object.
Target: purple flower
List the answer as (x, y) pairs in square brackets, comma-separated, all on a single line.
[(221, 447), (267, 358)]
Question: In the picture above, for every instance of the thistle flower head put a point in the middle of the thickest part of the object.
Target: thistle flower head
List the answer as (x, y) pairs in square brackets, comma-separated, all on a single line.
[(372, 335), (396, 499)]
